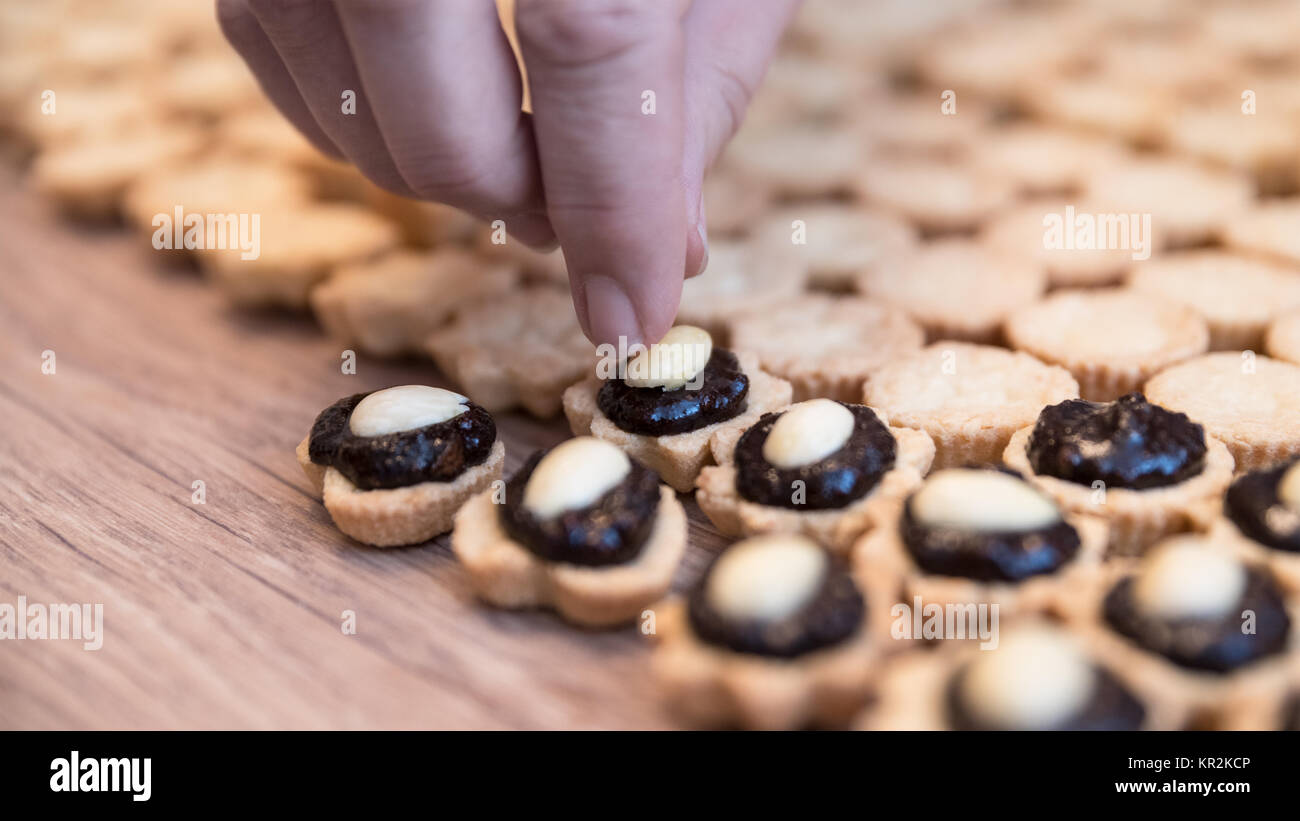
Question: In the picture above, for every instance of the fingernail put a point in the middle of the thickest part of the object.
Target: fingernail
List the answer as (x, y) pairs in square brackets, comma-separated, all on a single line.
[(704, 239), (610, 313)]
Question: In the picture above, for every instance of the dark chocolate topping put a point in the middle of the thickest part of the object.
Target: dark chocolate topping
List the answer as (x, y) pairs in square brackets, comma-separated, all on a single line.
[(610, 531), (1128, 443), (1253, 505), (434, 453), (841, 478), (831, 615), (1111, 707), (657, 412), (994, 555), (1212, 644)]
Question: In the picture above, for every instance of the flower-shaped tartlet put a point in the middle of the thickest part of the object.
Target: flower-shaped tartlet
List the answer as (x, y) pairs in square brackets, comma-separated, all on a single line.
[(1282, 339), (969, 398), (825, 346), (1251, 403), (394, 466), (821, 468), (582, 529), (520, 349), (774, 636), (1149, 472), (937, 195), (1043, 159), (978, 536), (1195, 621), (671, 399), (835, 243), (1261, 510), (1267, 229), (1189, 201), (1111, 340), (743, 276), (1038, 677)]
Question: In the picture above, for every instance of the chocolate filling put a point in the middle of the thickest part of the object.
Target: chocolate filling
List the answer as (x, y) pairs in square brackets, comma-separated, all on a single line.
[(610, 531), (831, 615), (1254, 507), (657, 412), (434, 453), (1213, 644), (1111, 707), (1128, 443), (843, 477), (993, 555)]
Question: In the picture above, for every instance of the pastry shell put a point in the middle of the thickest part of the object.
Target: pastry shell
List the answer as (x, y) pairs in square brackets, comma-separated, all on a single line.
[(508, 575), (677, 458), (398, 516)]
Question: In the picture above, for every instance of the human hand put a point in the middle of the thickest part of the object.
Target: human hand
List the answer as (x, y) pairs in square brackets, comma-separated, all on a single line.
[(438, 117)]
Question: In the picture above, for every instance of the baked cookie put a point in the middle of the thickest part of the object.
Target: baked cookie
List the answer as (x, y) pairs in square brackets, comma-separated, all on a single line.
[(1261, 145), (394, 466), (217, 186), (733, 203), (1194, 621), (1188, 202), (1268, 229), (938, 195), (992, 59), (1238, 296), (969, 398), (1148, 471), (581, 529), (85, 112), (741, 276), (391, 305), (1261, 510), (1099, 104), (796, 159), (665, 402), (804, 87), (423, 224), (1038, 677), (547, 267), (775, 636), (521, 349), (917, 124), (263, 135), (1035, 231), (978, 536), (1250, 403), (825, 346), (835, 243), (1042, 159), (299, 247), (208, 85), (821, 468), (957, 288), (1282, 339), (1111, 340)]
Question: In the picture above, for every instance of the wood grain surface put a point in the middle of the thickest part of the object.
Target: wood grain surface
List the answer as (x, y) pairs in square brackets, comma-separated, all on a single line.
[(228, 614)]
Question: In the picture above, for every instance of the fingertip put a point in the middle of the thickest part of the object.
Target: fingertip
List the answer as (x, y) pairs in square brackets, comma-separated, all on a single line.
[(608, 313)]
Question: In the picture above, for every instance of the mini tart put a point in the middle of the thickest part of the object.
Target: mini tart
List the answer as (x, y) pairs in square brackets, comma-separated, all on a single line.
[(579, 532), (1267, 229), (796, 159), (1148, 472), (1175, 619), (1038, 677), (219, 186), (825, 346), (1111, 340), (1188, 201), (1043, 159), (853, 467), (741, 276), (733, 203), (519, 349), (978, 536), (391, 305), (1020, 233), (1250, 403), (970, 399), (1282, 339), (423, 224), (916, 124), (1261, 512), (1261, 145), (1238, 296), (958, 289), (679, 455), (300, 246), (775, 636), (390, 477), (1098, 104), (937, 195), (835, 243)]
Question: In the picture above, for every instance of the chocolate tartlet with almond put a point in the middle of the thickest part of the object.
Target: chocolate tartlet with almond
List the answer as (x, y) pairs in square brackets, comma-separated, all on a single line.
[(1262, 510)]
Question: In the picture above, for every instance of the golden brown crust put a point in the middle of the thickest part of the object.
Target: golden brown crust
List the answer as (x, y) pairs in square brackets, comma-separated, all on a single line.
[(970, 399), (1251, 403), (1188, 200), (1282, 339), (506, 574), (1284, 564), (836, 529), (1111, 340), (741, 277), (836, 242), (939, 196), (1137, 518), (677, 458), (398, 516)]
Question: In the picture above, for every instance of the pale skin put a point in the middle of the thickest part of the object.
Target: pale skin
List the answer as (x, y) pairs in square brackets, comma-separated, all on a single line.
[(438, 118)]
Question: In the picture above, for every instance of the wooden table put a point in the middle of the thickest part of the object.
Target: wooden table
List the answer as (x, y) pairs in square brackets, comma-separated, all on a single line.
[(229, 614)]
